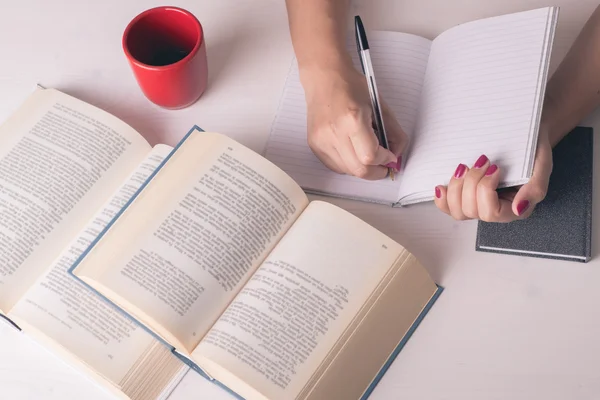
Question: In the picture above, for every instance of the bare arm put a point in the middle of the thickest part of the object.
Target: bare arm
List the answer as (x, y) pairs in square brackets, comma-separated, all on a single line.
[(318, 33), (574, 89)]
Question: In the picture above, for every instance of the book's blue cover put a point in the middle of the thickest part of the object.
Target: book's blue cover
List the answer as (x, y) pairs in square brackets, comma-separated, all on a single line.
[(184, 359), (10, 322), (402, 343)]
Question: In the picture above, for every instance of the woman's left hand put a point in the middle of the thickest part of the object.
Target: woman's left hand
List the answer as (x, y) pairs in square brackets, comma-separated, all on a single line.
[(472, 193)]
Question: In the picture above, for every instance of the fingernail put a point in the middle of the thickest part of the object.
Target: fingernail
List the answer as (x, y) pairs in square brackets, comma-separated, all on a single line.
[(460, 171), (491, 169), (395, 165), (480, 161), (522, 207), (438, 192)]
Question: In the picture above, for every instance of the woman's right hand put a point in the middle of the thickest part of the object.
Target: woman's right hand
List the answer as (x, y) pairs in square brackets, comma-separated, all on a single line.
[(340, 124)]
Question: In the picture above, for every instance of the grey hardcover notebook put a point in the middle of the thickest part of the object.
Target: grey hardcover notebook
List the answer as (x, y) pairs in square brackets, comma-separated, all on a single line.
[(561, 225)]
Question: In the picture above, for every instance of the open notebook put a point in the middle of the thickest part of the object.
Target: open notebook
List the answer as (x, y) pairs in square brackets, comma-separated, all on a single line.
[(476, 89)]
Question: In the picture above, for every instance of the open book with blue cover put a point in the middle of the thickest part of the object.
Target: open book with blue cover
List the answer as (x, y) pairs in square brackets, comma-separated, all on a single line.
[(222, 256)]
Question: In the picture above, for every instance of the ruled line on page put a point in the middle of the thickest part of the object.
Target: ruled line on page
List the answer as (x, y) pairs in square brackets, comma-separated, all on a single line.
[(480, 96), (399, 61)]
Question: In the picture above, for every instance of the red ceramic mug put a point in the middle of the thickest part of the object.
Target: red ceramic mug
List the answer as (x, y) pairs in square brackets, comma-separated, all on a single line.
[(166, 50)]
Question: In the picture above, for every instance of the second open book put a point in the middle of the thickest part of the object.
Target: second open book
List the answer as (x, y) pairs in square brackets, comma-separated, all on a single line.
[(477, 88), (221, 255), (214, 251)]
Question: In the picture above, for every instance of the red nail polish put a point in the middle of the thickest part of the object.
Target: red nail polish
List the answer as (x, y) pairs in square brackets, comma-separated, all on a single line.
[(460, 171), (480, 161), (491, 169), (522, 207), (395, 165), (438, 193)]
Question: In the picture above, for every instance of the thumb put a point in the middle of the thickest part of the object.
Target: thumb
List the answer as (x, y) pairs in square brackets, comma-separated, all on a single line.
[(534, 191), (365, 142)]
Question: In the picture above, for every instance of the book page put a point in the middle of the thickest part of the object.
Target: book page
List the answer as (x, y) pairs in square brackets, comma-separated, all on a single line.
[(72, 315), (59, 160), (482, 95), (365, 351), (399, 62), (281, 326), (179, 254)]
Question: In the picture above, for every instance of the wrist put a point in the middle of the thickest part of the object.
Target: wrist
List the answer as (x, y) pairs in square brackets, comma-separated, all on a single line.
[(549, 125), (317, 72)]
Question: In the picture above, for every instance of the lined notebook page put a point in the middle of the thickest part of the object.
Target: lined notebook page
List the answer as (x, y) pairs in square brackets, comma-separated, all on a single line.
[(399, 61), (482, 95)]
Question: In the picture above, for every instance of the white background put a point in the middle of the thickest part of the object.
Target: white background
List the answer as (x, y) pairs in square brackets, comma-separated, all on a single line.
[(505, 327)]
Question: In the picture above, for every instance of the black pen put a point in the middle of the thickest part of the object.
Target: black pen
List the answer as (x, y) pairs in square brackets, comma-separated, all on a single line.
[(365, 61)]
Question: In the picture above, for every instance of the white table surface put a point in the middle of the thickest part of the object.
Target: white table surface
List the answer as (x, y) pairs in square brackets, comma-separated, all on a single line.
[(505, 327)]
